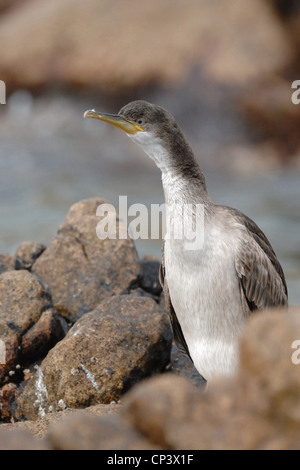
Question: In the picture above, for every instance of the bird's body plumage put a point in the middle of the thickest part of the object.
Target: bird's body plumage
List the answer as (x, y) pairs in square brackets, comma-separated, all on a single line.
[(209, 290)]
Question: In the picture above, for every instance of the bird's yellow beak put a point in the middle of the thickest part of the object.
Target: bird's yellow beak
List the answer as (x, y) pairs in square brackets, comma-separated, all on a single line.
[(130, 127)]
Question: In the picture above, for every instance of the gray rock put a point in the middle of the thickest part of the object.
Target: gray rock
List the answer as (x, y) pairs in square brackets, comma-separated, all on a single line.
[(80, 269), (107, 351)]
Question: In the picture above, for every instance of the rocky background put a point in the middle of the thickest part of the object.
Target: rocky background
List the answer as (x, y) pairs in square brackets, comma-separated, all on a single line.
[(248, 49)]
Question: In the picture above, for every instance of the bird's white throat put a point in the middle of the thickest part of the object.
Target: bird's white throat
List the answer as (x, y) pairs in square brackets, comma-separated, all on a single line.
[(153, 146)]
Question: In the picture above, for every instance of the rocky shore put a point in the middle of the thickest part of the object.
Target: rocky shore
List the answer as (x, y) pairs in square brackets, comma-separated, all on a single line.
[(89, 361)]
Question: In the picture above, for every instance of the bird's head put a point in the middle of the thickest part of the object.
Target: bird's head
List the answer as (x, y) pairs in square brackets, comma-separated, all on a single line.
[(150, 126)]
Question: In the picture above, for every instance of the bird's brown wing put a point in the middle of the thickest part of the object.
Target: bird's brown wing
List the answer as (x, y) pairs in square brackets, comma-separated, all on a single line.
[(261, 277), (176, 328)]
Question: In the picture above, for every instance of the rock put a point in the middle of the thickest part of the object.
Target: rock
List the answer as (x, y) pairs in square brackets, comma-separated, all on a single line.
[(7, 263), (107, 351), (256, 409), (44, 334), (20, 440), (264, 395), (182, 365), (269, 357), (80, 269), (23, 298), (7, 397), (87, 432), (227, 52), (40, 427), (28, 324), (175, 402), (5, 4), (149, 277), (269, 110), (27, 253)]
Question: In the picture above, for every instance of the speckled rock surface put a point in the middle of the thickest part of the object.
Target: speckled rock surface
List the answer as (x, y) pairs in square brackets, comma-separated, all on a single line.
[(80, 269), (107, 351)]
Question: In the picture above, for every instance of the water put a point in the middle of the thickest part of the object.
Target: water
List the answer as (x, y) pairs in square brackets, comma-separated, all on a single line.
[(50, 157)]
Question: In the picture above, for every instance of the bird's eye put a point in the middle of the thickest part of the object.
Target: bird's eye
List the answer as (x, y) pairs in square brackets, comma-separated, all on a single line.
[(140, 121)]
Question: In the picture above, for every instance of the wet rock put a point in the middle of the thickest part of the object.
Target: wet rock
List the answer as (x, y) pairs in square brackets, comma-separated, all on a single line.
[(87, 432), (7, 263), (27, 253), (107, 351), (149, 276), (80, 269), (228, 52)]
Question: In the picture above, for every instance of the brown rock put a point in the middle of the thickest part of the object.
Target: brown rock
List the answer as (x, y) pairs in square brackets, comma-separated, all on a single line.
[(7, 263), (80, 269), (27, 253), (20, 440), (29, 326), (10, 348), (45, 333), (269, 110), (108, 350), (5, 4), (40, 427), (71, 49), (87, 432), (22, 301), (7, 397), (158, 404), (269, 357), (257, 409), (23, 298)]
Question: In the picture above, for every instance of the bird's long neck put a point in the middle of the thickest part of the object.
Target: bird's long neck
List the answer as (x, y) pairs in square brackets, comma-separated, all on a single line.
[(182, 179), (185, 184)]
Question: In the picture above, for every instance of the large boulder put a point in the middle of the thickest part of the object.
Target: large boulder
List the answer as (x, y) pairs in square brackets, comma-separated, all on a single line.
[(107, 351), (80, 269)]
